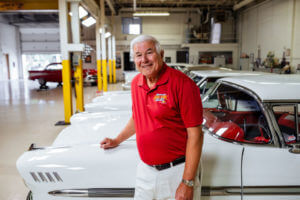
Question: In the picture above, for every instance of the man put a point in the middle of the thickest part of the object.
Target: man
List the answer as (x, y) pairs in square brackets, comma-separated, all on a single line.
[(167, 118)]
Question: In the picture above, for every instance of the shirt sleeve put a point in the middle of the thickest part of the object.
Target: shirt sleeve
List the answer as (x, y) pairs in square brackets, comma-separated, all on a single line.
[(190, 104)]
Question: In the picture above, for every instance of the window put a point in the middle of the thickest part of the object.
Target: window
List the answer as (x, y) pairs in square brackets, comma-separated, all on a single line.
[(286, 118), (132, 25), (234, 115)]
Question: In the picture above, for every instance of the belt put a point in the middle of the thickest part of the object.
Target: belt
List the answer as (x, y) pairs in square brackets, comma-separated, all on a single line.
[(170, 164)]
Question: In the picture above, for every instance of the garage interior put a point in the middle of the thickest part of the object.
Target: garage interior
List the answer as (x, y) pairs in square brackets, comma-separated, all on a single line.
[(237, 34)]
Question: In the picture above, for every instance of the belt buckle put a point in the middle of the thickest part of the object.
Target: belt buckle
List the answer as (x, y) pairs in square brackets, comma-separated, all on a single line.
[(162, 167)]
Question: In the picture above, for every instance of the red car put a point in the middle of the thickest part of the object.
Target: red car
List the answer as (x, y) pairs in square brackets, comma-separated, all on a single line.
[(52, 73)]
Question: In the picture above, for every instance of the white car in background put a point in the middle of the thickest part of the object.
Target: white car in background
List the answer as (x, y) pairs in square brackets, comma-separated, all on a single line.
[(251, 148)]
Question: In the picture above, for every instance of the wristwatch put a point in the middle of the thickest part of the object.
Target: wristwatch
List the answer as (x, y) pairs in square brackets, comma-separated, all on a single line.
[(189, 183)]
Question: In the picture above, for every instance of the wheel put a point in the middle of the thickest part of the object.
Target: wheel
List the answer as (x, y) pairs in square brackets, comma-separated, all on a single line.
[(42, 81), (29, 196)]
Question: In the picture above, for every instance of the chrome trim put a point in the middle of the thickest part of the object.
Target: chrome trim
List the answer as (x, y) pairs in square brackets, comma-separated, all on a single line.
[(205, 191), (242, 181), (251, 190), (94, 192)]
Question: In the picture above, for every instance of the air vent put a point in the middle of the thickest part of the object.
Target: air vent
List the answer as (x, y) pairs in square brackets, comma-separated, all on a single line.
[(46, 177)]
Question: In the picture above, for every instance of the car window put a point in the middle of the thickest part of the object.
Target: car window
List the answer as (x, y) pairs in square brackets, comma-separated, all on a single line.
[(286, 118), (196, 78), (54, 67), (235, 115), (207, 84)]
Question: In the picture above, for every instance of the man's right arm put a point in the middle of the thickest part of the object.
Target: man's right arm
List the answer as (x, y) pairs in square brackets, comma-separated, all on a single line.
[(128, 131)]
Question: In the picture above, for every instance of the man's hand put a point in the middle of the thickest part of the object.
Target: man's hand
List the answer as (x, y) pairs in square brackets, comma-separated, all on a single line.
[(108, 143), (184, 192)]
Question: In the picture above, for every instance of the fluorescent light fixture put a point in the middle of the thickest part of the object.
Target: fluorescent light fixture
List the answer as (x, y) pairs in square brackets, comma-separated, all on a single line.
[(82, 12), (138, 14), (88, 22)]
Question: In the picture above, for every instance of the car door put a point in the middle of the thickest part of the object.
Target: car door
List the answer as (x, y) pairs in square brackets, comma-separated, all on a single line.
[(273, 171)]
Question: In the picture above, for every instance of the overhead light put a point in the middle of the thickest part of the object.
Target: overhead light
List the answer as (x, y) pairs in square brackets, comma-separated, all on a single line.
[(107, 34), (88, 22), (82, 12), (138, 14)]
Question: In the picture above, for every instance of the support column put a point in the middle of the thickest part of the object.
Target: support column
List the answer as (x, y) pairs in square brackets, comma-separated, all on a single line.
[(110, 59), (103, 44), (114, 58), (98, 51), (77, 60), (66, 71)]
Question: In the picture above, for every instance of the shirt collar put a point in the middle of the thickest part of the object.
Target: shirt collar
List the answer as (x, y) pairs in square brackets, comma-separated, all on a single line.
[(142, 82)]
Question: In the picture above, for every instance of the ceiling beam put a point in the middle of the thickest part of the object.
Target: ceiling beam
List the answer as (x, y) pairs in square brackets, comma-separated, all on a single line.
[(110, 4), (170, 2), (28, 5)]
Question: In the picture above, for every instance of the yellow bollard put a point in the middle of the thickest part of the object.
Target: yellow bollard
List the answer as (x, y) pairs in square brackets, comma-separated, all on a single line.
[(67, 90), (99, 78), (114, 71), (110, 71), (104, 68), (79, 87)]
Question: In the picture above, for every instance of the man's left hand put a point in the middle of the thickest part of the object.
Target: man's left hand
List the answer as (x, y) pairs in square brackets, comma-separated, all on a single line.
[(184, 192)]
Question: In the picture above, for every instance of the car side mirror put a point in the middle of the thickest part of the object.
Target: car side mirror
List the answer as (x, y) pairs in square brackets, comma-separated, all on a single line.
[(295, 148)]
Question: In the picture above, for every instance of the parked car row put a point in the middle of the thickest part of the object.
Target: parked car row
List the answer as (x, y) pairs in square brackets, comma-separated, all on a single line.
[(251, 144), (53, 73)]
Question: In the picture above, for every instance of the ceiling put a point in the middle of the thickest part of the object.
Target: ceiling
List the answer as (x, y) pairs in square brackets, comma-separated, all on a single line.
[(16, 15)]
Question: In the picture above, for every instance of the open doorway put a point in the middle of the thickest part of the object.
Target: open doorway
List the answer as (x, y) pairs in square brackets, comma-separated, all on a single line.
[(128, 64), (7, 65)]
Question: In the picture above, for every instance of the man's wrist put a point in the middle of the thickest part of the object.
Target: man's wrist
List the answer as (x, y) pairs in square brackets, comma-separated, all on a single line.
[(189, 183)]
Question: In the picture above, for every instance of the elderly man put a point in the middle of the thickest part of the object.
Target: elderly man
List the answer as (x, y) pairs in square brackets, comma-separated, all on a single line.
[(167, 118)]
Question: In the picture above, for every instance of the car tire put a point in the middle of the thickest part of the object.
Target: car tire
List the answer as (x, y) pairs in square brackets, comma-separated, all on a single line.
[(42, 81), (29, 196)]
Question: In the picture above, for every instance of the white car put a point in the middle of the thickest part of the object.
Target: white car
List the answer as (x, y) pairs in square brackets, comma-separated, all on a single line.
[(251, 149)]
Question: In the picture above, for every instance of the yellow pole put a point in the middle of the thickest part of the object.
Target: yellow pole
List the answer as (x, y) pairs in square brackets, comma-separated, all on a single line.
[(67, 92), (110, 71), (79, 87), (114, 70), (104, 65), (99, 75)]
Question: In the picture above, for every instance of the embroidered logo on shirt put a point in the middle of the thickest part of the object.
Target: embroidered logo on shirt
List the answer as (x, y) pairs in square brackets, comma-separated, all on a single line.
[(162, 98)]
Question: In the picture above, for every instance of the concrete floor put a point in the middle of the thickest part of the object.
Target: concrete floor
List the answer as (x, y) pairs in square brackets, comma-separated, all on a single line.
[(27, 116)]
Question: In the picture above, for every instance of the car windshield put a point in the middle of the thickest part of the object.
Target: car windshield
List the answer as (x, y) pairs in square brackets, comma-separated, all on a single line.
[(286, 118), (196, 78), (206, 84), (233, 114)]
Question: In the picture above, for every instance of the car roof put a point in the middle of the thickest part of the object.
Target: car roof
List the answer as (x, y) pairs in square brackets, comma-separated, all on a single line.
[(224, 73), (270, 88)]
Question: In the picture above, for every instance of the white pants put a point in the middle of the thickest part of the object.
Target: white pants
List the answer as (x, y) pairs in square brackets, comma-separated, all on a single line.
[(162, 185)]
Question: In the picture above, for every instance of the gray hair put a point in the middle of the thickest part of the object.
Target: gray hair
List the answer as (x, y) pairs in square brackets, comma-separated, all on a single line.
[(143, 38)]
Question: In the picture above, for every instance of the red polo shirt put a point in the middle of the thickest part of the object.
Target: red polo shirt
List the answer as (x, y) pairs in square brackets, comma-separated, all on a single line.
[(162, 114)]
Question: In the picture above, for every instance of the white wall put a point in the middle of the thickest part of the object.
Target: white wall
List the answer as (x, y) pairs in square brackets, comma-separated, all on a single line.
[(10, 44), (272, 25)]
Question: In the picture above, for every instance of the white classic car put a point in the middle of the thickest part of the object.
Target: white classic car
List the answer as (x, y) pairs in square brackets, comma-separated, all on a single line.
[(251, 148)]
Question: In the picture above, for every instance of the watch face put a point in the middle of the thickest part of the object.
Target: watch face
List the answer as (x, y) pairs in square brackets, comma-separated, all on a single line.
[(189, 183)]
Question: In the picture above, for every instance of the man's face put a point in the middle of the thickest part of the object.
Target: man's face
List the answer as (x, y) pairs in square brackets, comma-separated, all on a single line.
[(147, 60)]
